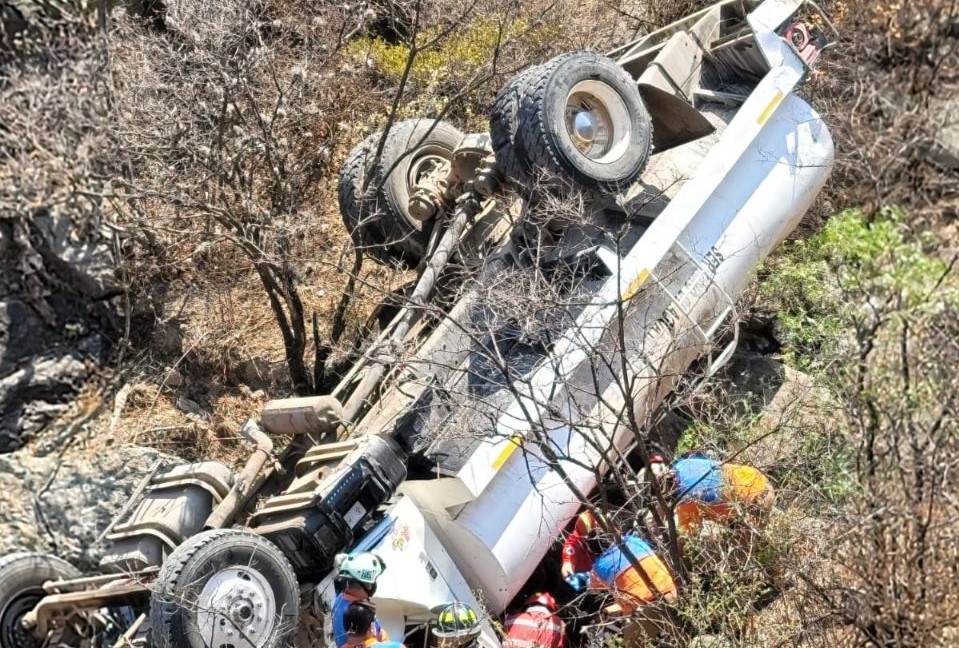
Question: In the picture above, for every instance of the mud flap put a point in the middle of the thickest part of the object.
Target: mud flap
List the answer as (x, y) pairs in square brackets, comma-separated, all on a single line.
[(675, 122)]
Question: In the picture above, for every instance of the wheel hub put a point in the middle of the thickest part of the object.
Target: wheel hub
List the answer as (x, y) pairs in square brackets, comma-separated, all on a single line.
[(23, 636), (584, 126), (236, 608), (597, 121), (427, 181), (241, 611)]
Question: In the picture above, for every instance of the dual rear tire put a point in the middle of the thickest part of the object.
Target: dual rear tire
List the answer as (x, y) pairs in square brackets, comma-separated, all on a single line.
[(576, 122)]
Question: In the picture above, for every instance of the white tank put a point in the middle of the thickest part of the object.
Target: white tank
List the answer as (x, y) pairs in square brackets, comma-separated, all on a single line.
[(746, 197)]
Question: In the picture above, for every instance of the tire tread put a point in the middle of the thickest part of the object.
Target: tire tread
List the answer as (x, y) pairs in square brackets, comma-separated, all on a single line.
[(349, 186), (537, 140), (504, 127), (164, 606)]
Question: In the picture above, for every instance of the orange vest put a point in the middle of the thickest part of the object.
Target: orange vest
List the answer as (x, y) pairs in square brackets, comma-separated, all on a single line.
[(741, 485), (613, 571)]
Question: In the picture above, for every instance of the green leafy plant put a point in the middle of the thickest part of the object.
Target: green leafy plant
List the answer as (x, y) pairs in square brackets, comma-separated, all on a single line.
[(452, 56), (821, 284)]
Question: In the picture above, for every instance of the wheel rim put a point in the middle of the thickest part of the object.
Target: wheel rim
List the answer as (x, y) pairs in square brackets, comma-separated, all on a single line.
[(12, 633), (597, 121), (236, 609), (425, 162), (428, 169)]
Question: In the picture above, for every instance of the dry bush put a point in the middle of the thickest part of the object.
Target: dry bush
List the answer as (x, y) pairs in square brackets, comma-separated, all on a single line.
[(225, 127), (878, 308), (887, 86), (207, 140)]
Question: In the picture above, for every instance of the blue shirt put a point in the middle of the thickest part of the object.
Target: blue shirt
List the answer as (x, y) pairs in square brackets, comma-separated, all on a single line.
[(339, 628), (613, 561), (699, 478)]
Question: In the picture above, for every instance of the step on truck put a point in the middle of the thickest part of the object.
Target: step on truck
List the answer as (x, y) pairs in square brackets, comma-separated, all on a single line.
[(573, 264)]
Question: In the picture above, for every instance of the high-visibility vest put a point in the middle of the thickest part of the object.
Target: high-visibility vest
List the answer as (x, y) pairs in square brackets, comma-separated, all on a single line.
[(614, 571), (709, 490)]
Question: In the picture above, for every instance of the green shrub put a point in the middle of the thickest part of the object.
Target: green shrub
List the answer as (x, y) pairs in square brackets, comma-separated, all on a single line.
[(819, 474), (455, 56), (822, 285)]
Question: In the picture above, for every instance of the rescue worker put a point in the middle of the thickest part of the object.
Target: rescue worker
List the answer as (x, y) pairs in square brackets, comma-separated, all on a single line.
[(638, 591), (703, 489), (579, 546), (355, 581), (614, 571), (457, 626), (361, 627), (536, 627)]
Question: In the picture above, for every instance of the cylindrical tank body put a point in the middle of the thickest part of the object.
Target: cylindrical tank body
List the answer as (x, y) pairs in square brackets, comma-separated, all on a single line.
[(502, 535)]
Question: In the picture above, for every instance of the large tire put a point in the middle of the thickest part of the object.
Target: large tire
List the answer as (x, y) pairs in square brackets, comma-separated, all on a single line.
[(374, 194), (225, 588), (504, 128), (350, 195), (583, 122), (22, 576)]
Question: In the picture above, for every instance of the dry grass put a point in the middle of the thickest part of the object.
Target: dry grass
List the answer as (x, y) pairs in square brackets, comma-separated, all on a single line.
[(201, 328)]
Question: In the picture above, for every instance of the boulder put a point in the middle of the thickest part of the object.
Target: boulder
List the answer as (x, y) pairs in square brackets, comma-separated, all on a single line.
[(56, 313), (35, 393), (257, 372), (62, 504)]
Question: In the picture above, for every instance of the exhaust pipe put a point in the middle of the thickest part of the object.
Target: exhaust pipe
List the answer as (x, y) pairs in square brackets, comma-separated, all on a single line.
[(225, 511)]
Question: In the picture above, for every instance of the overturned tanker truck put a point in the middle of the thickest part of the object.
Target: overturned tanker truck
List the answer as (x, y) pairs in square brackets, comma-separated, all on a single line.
[(692, 157)]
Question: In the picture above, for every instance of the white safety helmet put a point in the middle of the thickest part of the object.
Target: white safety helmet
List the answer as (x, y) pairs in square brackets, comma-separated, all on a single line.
[(658, 465), (364, 567)]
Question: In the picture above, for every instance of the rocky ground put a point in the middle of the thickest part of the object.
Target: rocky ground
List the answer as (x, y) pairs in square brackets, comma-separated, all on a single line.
[(56, 320), (61, 504)]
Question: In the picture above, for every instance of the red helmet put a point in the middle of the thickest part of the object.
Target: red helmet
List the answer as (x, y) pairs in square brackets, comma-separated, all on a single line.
[(542, 598)]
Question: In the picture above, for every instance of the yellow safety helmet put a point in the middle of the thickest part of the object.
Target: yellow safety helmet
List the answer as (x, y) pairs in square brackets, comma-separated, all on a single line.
[(457, 621)]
